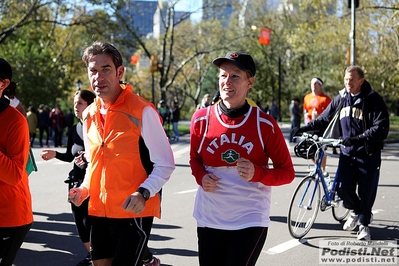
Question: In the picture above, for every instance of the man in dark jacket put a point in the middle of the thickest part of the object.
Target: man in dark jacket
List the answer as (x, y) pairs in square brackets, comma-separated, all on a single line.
[(363, 125)]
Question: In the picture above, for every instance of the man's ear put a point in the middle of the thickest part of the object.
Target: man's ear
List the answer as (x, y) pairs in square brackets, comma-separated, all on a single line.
[(120, 72)]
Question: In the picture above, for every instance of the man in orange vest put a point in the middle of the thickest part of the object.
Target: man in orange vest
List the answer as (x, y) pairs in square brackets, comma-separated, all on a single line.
[(130, 159)]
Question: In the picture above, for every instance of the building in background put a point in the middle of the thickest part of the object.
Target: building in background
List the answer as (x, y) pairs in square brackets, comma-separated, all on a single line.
[(217, 10)]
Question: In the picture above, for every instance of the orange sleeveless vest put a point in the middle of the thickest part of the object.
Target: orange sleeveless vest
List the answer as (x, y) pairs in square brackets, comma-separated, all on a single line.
[(116, 170)]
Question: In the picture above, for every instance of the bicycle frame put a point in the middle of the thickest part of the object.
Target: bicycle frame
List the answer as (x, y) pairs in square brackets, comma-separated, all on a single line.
[(302, 213), (318, 173)]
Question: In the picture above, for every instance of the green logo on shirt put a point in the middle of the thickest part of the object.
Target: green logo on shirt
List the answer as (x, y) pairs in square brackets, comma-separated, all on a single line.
[(230, 156)]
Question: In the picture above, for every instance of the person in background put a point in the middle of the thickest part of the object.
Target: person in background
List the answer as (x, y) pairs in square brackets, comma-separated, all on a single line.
[(175, 111), (364, 124), (259, 104), (16, 215), (57, 125), (75, 149), (31, 116), (316, 100), (120, 129), (314, 103), (10, 93), (164, 112), (231, 143), (295, 116), (216, 97), (205, 102), (43, 124), (274, 110)]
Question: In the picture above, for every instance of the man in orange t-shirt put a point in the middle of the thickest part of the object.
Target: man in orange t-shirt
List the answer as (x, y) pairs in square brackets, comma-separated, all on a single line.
[(316, 99), (314, 104)]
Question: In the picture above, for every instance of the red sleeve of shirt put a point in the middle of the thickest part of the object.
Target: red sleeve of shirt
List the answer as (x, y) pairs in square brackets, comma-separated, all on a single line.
[(197, 129), (276, 149)]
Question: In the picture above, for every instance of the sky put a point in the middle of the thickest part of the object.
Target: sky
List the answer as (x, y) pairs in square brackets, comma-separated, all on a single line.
[(190, 5)]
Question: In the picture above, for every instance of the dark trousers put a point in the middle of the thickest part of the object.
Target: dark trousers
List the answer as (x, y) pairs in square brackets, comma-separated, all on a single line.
[(57, 137), (82, 220), (121, 239), (359, 173), (294, 124), (147, 225), (11, 239), (41, 131), (230, 247)]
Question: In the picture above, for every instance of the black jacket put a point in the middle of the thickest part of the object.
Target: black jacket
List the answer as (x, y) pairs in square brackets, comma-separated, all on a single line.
[(375, 117)]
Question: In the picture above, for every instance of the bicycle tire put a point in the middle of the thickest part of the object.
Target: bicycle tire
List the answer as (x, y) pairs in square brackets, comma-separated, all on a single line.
[(339, 212), (301, 219)]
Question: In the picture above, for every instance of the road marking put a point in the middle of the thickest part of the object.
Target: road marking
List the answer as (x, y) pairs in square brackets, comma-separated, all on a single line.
[(285, 246), (187, 191), (377, 211)]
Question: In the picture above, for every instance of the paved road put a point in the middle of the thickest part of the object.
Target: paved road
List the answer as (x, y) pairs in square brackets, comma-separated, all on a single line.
[(53, 239)]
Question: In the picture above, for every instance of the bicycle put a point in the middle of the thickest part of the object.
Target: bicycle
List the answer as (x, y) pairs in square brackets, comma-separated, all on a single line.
[(306, 200)]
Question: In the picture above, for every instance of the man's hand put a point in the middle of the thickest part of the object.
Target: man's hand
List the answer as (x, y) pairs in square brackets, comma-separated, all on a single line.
[(78, 195), (299, 130), (351, 141), (134, 203)]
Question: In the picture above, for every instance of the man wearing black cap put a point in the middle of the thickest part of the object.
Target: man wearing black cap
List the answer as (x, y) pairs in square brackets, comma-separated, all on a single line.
[(231, 144), (15, 198)]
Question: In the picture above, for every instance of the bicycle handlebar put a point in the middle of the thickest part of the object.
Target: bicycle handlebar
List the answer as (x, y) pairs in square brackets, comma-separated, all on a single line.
[(321, 140)]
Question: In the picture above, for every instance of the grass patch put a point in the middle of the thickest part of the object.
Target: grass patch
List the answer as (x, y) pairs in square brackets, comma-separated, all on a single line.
[(183, 129), (394, 123)]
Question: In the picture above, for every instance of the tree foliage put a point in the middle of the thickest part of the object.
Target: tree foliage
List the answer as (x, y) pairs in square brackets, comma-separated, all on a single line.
[(44, 42)]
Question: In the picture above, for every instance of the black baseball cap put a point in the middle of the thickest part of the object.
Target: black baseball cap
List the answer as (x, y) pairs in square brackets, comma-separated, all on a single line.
[(242, 60), (5, 69)]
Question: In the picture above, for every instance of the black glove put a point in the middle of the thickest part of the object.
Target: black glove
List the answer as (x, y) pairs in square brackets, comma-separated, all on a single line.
[(351, 141), (299, 130)]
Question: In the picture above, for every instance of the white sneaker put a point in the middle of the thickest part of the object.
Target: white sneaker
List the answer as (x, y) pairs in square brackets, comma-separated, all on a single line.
[(364, 233), (351, 223)]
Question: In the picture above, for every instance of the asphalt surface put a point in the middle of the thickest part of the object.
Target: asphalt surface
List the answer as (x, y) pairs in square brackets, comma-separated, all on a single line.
[(53, 239)]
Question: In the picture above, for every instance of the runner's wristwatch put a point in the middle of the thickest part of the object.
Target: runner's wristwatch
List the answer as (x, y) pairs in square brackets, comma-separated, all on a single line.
[(144, 192)]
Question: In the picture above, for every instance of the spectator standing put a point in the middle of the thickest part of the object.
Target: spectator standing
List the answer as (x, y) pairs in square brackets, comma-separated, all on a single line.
[(175, 119), (16, 215), (57, 125), (75, 150), (295, 116), (231, 143), (164, 112), (120, 129), (364, 124), (205, 102), (31, 116), (274, 110), (43, 124)]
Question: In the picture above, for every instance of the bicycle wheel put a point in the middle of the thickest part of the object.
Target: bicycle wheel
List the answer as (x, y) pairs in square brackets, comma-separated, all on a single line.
[(339, 212), (303, 210)]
